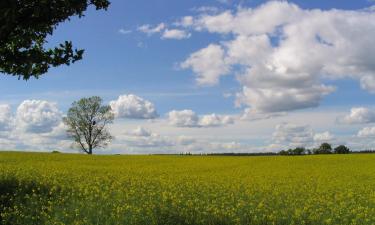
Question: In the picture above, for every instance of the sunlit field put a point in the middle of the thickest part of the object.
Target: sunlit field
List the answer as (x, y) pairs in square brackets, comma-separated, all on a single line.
[(48, 188)]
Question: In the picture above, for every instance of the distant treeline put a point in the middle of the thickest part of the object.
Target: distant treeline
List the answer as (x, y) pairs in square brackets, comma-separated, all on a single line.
[(324, 148), (244, 154)]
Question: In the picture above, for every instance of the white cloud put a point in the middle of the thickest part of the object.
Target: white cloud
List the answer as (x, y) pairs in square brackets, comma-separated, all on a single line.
[(360, 115), (284, 60), (6, 117), (208, 64), (323, 137), (183, 118), (37, 125), (248, 21), (247, 50), (214, 120), (220, 23), (56, 139), (253, 115), (367, 132), (156, 143), (148, 29), (289, 135), (175, 34), (132, 106), (185, 21), (141, 132), (188, 118), (206, 9), (275, 100), (37, 116), (292, 135), (123, 31)]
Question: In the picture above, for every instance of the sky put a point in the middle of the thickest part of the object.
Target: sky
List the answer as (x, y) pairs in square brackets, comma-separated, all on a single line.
[(207, 76)]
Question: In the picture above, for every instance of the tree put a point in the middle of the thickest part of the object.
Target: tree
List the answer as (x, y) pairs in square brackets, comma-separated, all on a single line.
[(296, 151), (87, 122), (283, 152), (342, 149), (24, 27), (299, 151), (324, 148)]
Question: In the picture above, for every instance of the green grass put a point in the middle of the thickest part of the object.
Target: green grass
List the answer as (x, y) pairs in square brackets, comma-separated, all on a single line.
[(47, 188)]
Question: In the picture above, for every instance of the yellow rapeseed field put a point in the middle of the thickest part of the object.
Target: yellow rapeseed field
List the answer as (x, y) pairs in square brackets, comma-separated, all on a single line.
[(47, 188)]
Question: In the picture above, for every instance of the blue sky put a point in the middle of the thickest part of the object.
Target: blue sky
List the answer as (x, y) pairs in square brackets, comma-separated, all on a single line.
[(149, 66), (114, 64)]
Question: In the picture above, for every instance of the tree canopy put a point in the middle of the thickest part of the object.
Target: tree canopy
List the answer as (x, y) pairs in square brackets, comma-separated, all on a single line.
[(87, 122), (325, 148), (342, 149), (24, 27)]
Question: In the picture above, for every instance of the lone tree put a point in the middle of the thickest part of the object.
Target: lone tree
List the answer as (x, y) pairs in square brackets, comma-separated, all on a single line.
[(87, 122), (342, 149), (24, 27)]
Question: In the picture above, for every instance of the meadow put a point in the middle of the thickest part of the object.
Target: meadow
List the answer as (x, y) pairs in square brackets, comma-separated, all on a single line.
[(46, 188)]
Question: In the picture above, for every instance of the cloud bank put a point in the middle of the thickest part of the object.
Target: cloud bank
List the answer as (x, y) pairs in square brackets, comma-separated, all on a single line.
[(285, 59), (188, 118)]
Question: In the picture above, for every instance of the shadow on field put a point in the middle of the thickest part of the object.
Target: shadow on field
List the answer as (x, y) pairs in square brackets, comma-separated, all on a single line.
[(22, 202)]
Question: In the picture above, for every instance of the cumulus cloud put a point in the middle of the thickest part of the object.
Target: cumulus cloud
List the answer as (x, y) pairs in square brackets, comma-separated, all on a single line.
[(185, 21), (214, 120), (323, 137), (208, 64), (288, 135), (283, 61), (175, 34), (252, 115), (132, 106), (360, 115), (183, 118), (188, 118), (37, 116), (143, 139), (55, 140), (275, 100), (140, 132), (367, 132), (293, 135), (6, 117), (148, 29), (135, 141), (36, 125)]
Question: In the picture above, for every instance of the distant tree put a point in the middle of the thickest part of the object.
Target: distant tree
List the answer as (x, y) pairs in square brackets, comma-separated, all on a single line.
[(342, 149), (87, 122), (296, 151), (324, 148), (299, 151), (24, 27), (283, 152)]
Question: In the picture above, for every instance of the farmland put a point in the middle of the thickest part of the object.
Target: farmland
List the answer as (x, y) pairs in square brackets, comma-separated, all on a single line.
[(45, 188)]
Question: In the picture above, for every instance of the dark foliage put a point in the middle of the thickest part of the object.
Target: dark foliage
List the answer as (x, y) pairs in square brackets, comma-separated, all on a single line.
[(324, 148), (342, 149), (24, 27), (296, 151)]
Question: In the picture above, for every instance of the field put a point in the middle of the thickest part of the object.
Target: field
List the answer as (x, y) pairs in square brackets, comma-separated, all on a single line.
[(48, 188)]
